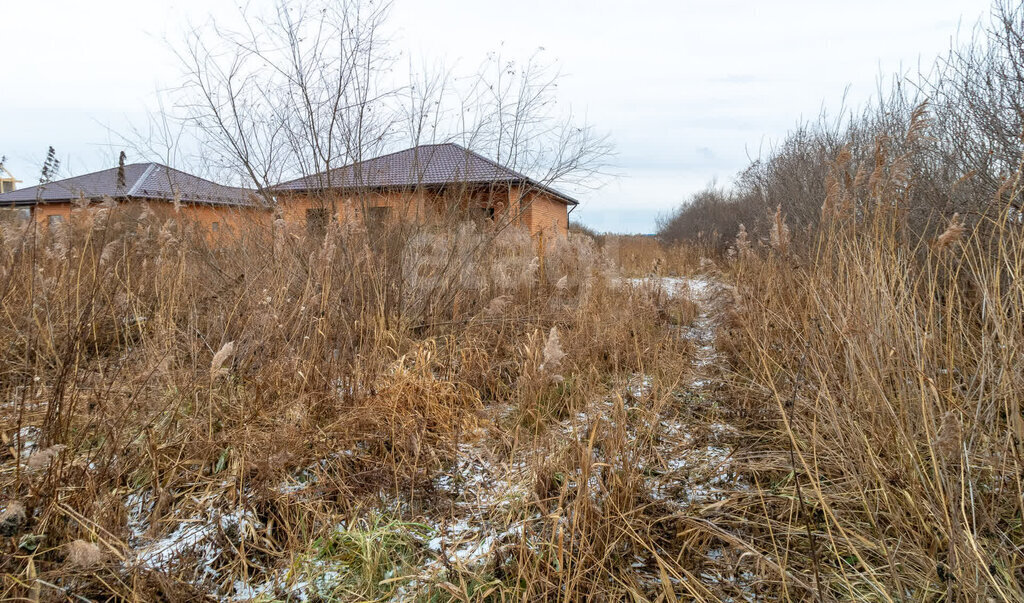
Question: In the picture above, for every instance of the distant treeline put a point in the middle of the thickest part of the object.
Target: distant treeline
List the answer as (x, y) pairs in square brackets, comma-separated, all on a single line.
[(955, 133)]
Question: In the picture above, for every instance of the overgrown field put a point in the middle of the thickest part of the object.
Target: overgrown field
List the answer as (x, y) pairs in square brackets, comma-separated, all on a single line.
[(397, 415), (456, 415)]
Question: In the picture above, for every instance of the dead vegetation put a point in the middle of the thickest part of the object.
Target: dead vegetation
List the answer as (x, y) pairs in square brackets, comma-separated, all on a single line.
[(973, 142), (181, 420), (882, 374), (447, 413), (415, 415)]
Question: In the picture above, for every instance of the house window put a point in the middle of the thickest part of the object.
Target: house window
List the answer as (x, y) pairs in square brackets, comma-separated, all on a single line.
[(215, 226), (484, 213), (16, 214), (316, 222), (377, 216), (54, 221)]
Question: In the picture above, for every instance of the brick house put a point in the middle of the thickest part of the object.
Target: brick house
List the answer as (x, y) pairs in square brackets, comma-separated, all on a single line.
[(213, 206), (418, 184), (421, 184)]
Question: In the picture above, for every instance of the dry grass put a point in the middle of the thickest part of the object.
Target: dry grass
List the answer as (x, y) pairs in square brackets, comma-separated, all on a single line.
[(438, 415), (267, 420), (644, 255), (882, 376)]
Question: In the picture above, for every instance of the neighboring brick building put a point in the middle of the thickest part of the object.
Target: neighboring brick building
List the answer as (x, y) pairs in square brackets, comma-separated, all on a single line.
[(212, 205), (420, 184)]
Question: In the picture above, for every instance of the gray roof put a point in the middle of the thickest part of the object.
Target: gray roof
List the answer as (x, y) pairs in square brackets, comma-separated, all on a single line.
[(141, 181), (425, 165)]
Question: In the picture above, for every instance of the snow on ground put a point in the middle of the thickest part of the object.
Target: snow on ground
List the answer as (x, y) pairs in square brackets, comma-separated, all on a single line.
[(702, 332), (691, 469), (686, 467), (27, 438), (697, 288), (199, 537)]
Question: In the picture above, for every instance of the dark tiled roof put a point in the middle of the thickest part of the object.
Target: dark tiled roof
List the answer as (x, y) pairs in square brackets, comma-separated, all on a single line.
[(425, 165), (141, 181)]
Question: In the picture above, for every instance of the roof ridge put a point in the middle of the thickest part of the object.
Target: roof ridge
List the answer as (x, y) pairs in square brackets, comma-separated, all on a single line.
[(62, 180), (105, 183), (138, 182), (429, 164), (353, 164), (194, 177), (57, 182)]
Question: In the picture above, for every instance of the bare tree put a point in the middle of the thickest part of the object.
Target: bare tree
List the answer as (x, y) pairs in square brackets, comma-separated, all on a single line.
[(979, 96), (511, 113), (296, 91), (955, 134), (310, 87)]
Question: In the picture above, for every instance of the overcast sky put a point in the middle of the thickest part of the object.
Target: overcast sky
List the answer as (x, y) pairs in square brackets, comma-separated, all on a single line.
[(689, 91)]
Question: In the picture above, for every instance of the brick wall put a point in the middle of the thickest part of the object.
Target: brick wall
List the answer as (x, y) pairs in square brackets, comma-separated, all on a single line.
[(544, 213), (343, 208), (227, 219), (540, 212)]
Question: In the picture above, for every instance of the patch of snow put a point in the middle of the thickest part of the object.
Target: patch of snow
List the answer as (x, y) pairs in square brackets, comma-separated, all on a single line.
[(639, 386), (695, 288), (28, 438), (197, 537), (478, 482), (186, 538), (139, 505)]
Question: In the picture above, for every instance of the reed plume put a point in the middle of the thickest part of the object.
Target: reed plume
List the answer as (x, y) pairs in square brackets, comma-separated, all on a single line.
[(222, 356)]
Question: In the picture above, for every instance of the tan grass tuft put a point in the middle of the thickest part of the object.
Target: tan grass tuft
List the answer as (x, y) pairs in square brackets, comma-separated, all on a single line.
[(497, 305), (280, 232), (742, 245), (13, 518), (553, 355), (166, 238), (779, 236), (147, 214), (108, 253), (529, 272), (82, 554), (41, 460), (947, 440)]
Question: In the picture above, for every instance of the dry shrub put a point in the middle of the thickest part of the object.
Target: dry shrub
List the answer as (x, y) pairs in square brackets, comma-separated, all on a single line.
[(40, 460), (13, 518)]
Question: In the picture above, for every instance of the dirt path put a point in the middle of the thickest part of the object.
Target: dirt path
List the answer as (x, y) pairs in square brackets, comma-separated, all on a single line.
[(689, 464)]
